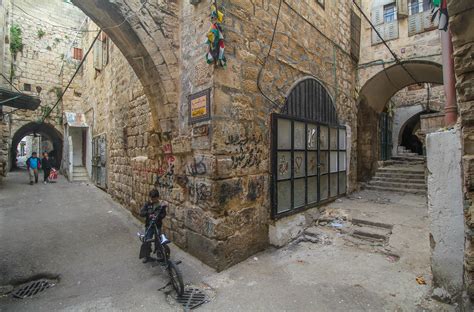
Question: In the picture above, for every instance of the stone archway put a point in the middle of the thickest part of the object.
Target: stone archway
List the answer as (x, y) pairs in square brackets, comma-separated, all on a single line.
[(373, 98), (147, 37), (44, 129)]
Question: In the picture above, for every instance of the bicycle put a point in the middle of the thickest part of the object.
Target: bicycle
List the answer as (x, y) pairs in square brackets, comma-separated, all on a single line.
[(162, 251)]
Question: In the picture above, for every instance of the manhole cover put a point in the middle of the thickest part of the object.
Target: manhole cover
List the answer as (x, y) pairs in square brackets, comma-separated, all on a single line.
[(32, 288), (192, 298)]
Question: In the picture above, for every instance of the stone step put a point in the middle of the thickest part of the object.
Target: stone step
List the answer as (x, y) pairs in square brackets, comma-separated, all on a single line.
[(80, 175), (368, 232), (392, 179), (409, 158), (398, 185), (362, 222), (386, 189), (400, 169), (406, 176), (405, 162), (360, 241), (407, 154)]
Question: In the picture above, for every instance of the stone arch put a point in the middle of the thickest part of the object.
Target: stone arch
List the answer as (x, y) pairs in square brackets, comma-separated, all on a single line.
[(378, 90), (44, 129), (373, 99), (148, 39)]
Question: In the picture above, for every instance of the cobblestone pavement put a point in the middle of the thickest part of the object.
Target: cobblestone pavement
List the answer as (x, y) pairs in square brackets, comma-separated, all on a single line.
[(77, 232)]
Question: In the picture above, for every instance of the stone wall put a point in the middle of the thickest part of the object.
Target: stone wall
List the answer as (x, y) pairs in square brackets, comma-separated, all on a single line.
[(409, 97), (461, 25), (44, 66), (215, 175)]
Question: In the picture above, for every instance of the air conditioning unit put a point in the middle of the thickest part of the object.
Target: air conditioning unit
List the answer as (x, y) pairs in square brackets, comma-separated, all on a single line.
[(402, 8)]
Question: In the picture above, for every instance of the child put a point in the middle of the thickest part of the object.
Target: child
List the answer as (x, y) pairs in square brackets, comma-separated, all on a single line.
[(33, 164), (152, 207), (46, 163)]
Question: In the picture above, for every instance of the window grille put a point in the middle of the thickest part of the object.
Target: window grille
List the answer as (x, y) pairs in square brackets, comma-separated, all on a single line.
[(308, 151)]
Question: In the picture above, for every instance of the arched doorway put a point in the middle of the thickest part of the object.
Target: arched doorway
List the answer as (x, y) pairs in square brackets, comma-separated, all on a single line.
[(373, 99), (47, 131), (409, 136), (308, 150)]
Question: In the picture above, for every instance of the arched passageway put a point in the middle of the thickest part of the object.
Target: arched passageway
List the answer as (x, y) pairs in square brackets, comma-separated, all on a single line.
[(148, 40), (409, 136), (46, 130), (373, 99)]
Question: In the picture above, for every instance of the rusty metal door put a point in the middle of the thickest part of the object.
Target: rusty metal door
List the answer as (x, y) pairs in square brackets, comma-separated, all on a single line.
[(99, 161), (385, 136)]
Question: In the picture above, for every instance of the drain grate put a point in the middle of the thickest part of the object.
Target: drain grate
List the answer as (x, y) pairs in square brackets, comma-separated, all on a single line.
[(32, 288), (192, 298)]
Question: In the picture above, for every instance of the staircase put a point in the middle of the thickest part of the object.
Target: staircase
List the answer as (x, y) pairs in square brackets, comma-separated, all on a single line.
[(403, 173), (79, 174)]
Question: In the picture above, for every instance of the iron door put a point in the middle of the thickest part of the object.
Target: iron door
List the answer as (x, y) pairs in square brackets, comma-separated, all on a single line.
[(385, 136), (99, 161)]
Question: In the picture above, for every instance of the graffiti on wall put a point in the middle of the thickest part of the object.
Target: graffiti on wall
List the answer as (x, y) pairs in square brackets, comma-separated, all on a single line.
[(249, 150), (196, 167)]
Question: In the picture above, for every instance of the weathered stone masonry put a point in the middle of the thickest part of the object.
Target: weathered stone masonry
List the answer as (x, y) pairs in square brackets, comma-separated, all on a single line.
[(216, 183), (43, 67)]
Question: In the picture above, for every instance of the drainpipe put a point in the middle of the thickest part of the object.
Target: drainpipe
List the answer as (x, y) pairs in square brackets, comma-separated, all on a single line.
[(450, 109)]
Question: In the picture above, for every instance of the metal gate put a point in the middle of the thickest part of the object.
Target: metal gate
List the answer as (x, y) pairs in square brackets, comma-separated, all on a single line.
[(99, 161), (385, 136), (308, 151)]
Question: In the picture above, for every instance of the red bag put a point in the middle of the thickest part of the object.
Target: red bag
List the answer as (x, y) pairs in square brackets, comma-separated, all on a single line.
[(53, 175)]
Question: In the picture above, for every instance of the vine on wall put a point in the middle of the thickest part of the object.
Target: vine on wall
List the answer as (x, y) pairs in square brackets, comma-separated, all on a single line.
[(16, 45)]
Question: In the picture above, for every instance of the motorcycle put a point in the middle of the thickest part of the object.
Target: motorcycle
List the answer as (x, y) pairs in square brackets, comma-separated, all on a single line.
[(161, 251)]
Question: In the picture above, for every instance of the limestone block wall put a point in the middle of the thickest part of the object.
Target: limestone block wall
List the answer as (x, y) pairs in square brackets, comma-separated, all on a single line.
[(461, 25), (310, 41), (215, 175), (44, 66)]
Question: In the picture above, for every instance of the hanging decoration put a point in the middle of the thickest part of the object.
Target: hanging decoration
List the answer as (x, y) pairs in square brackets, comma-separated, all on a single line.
[(215, 39), (440, 8)]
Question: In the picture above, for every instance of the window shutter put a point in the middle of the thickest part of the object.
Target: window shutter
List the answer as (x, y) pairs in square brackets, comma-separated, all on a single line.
[(391, 30), (377, 15), (402, 8), (355, 35), (98, 55), (375, 38), (415, 24), (427, 24), (105, 52)]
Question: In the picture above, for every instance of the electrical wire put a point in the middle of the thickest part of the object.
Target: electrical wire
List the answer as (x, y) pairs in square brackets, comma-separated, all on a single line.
[(80, 30), (10, 83), (317, 29), (72, 78), (395, 56), (49, 23), (268, 54)]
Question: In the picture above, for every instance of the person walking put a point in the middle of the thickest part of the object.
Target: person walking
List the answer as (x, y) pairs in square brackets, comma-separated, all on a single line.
[(33, 164), (47, 166)]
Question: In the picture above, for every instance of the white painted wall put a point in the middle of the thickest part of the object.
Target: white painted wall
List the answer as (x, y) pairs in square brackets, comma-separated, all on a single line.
[(445, 208), (89, 152), (76, 134), (400, 117)]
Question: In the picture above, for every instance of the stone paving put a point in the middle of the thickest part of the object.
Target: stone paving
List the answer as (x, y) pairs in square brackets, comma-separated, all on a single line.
[(77, 232)]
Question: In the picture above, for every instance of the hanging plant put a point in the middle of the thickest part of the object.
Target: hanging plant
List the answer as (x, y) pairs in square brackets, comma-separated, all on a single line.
[(215, 38), (16, 42)]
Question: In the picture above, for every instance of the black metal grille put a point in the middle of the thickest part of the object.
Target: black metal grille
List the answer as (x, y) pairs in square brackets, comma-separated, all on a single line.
[(32, 288), (310, 100), (192, 298)]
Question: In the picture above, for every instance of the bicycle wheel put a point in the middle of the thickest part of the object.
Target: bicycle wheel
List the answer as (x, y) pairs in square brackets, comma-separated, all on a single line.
[(176, 278)]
